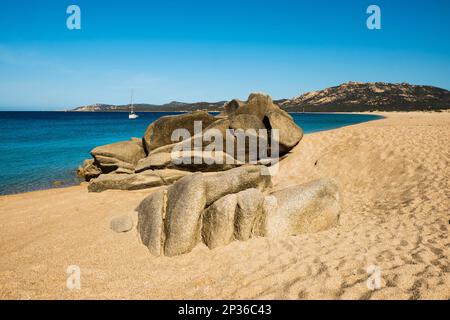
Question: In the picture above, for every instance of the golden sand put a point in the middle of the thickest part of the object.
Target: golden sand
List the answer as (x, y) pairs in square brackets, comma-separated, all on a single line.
[(394, 176)]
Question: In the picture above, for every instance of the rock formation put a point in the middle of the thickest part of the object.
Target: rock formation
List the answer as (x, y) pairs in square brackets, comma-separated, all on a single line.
[(306, 208), (89, 170), (215, 185), (120, 157), (135, 181), (154, 161), (234, 205)]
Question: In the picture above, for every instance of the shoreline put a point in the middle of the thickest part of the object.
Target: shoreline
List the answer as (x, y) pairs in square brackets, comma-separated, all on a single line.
[(67, 180), (386, 114)]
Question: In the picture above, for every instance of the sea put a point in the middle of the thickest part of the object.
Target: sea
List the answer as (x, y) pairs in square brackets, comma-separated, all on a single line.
[(41, 150)]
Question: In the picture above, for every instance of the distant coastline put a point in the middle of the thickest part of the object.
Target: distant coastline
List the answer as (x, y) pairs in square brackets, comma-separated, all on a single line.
[(347, 97)]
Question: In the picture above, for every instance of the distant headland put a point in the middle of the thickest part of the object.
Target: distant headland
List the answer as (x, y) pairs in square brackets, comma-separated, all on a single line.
[(347, 97)]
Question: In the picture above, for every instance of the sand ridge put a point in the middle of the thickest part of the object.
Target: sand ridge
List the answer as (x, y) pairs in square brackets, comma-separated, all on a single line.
[(394, 176)]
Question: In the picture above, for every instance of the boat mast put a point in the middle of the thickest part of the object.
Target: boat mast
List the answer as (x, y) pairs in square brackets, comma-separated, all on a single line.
[(132, 101)]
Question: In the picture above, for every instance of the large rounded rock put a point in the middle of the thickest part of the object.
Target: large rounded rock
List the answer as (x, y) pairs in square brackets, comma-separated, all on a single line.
[(258, 104), (261, 107), (236, 216), (124, 155), (159, 133), (219, 221), (306, 208), (151, 214), (289, 133), (249, 214), (186, 200)]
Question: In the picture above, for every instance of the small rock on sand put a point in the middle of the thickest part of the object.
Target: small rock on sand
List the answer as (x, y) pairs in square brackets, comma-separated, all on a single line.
[(122, 223)]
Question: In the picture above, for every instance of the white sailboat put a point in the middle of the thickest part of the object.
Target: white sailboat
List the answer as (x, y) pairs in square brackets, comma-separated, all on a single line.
[(132, 115)]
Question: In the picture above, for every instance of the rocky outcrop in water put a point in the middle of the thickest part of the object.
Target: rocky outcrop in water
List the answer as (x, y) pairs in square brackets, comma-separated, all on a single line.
[(89, 170)]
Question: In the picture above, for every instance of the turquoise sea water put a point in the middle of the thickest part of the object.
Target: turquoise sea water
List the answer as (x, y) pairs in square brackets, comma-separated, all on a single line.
[(38, 148)]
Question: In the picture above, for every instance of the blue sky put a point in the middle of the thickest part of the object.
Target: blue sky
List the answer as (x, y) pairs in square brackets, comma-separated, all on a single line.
[(212, 50)]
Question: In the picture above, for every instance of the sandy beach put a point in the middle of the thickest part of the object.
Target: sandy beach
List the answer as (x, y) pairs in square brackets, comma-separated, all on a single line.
[(394, 179)]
